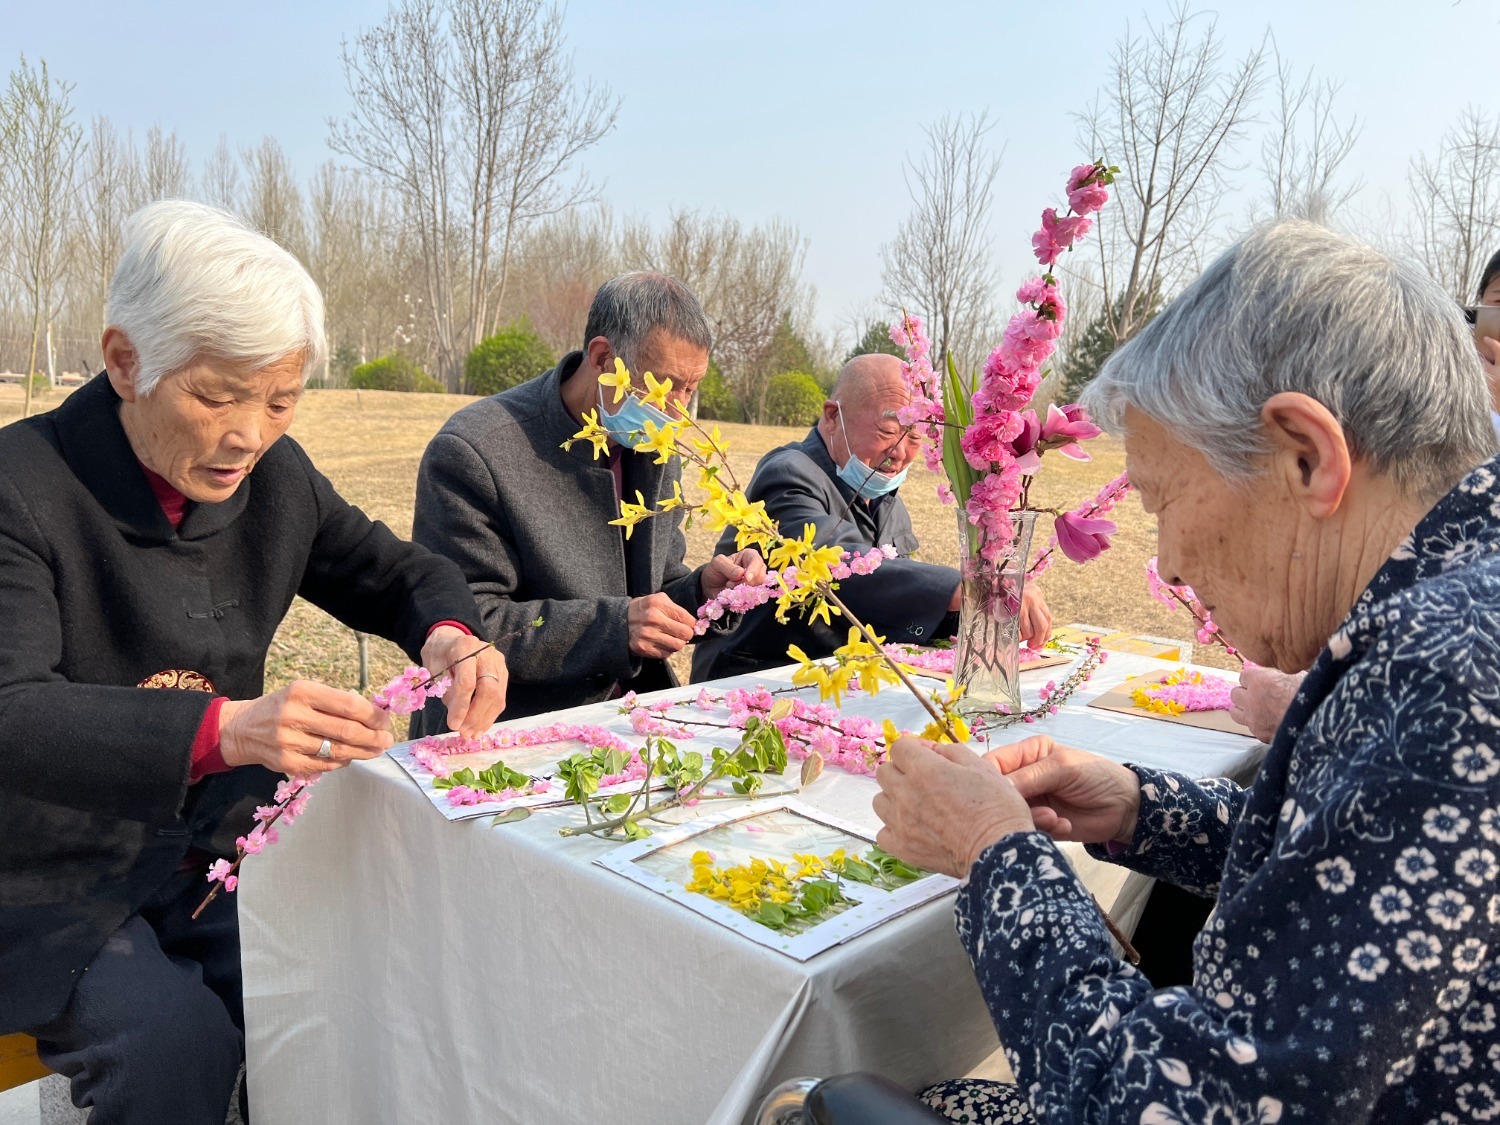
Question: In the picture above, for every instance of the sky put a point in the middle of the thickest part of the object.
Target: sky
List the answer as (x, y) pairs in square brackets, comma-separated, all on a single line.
[(798, 110)]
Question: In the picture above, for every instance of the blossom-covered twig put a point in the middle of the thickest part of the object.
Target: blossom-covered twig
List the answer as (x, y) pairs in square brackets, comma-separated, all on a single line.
[(1173, 596), (407, 693), (1081, 529)]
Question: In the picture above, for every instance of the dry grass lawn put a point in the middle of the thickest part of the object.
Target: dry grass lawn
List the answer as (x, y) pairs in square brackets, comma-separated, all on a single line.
[(369, 444)]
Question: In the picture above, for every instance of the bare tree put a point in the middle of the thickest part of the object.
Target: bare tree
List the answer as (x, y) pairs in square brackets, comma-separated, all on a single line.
[(748, 280), (166, 174), (1305, 148), (221, 177), (939, 264), (1456, 199), (1171, 124), (272, 202), (400, 131), (467, 110), (110, 175), (559, 265), (528, 121), (42, 146)]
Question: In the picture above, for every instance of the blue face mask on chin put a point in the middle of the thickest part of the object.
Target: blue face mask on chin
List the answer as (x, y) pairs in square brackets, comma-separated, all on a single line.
[(628, 424), (868, 484)]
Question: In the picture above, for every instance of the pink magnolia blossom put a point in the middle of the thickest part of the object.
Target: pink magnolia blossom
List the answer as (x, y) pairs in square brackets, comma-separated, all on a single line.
[(1024, 446), (1101, 505), (1082, 538), (1070, 425)]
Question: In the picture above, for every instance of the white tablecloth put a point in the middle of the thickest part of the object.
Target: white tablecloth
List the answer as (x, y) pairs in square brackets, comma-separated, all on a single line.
[(401, 968)]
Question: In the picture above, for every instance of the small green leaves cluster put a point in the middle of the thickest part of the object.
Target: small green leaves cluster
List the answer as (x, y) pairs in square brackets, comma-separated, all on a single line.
[(496, 779), (762, 750)]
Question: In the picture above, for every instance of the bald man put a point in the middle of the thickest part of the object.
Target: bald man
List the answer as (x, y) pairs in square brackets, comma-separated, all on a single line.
[(843, 478)]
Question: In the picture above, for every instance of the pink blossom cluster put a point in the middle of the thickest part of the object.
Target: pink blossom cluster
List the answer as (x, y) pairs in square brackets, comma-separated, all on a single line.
[(852, 743), (1086, 194), (1197, 692), (940, 661), (1083, 529), (743, 598), (924, 409), (462, 795), (289, 802), (1173, 596), (429, 752), (410, 690)]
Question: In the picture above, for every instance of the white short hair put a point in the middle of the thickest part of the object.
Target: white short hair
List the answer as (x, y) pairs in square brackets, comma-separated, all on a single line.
[(1297, 307), (196, 282)]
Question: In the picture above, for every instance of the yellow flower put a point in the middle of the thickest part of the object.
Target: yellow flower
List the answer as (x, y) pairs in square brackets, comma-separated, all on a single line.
[(620, 380), (821, 609), (714, 443), (791, 552), (592, 432), (661, 441), (668, 503), (656, 391), (631, 514), (936, 732)]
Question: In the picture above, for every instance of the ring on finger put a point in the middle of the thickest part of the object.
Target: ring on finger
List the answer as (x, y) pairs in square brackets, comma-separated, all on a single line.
[(486, 676), (325, 749)]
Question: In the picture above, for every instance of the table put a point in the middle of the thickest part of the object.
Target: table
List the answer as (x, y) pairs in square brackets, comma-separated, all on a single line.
[(401, 968)]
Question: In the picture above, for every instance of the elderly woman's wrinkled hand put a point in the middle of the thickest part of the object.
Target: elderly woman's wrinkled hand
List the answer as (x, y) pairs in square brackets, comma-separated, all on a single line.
[(1072, 794), (943, 805), (1262, 698), (477, 695), (285, 731)]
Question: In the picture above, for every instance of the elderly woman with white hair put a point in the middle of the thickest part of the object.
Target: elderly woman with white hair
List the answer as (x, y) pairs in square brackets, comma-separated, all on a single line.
[(1309, 425), (154, 530)]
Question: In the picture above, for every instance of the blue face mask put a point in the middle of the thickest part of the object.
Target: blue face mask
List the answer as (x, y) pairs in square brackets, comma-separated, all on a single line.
[(628, 424), (866, 482)]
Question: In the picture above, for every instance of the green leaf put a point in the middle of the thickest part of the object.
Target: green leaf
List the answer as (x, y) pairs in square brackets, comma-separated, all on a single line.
[(509, 817), (635, 830), (770, 914), (617, 804), (537, 624)]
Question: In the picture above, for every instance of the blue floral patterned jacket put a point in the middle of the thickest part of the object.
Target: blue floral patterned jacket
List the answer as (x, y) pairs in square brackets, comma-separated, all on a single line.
[(1347, 973)]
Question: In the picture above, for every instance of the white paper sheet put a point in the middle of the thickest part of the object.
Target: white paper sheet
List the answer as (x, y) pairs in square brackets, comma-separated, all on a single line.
[(772, 830)]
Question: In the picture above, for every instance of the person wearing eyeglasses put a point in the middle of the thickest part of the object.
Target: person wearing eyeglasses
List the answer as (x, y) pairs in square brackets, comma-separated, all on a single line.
[(583, 612), (843, 478)]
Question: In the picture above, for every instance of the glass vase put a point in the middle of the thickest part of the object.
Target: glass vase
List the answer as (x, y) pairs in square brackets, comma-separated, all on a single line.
[(987, 662)]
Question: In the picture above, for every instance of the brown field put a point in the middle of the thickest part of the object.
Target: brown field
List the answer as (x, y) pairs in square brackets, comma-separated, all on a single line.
[(369, 444)]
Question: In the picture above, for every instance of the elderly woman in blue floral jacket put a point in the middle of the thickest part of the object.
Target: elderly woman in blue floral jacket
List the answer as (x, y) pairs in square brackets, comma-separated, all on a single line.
[(1308, 424)]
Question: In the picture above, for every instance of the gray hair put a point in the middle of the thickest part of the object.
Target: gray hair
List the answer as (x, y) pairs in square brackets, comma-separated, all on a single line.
[(1297, 307), (628, 308), (195, 281)]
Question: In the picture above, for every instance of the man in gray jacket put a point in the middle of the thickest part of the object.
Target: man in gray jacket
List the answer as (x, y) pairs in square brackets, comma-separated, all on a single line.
[(842, 478), (581, 612)]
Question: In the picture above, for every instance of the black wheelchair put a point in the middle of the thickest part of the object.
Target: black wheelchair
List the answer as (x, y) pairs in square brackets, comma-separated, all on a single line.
[(845, 1099)]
